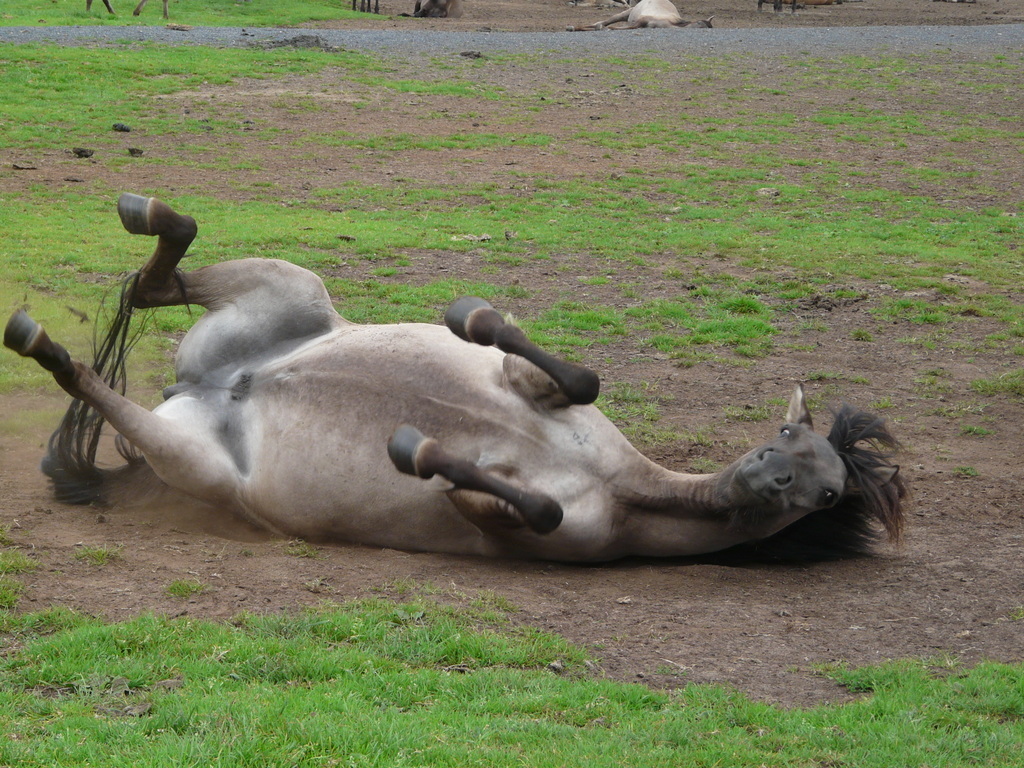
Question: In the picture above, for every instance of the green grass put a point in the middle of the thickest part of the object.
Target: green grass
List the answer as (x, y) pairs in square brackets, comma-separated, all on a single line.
[(65, 242), (100, 555), (67, 97), (10, 592), (1011, 383), (381, 684), (12, 561), (636, 412), (252, 13), (185, 588)]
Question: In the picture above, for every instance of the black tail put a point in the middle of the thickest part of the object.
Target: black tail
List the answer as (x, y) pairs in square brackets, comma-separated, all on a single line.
[(70, 460)]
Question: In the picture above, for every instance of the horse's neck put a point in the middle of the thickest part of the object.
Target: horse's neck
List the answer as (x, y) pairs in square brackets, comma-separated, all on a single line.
[(665, 513), (656, 489)]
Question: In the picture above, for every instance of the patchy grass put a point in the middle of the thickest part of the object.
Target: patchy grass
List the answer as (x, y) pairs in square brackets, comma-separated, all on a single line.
[(421, 683), (10, 592), (254, 13), (300, 548), (14, 562), (635, 410), (185, 588), (1010, 383), (99, 554)]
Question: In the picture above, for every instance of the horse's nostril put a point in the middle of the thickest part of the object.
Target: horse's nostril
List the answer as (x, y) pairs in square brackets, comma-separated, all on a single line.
[(782, 482)]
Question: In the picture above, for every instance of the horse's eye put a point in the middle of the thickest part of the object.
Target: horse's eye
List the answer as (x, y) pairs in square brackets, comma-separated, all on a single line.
[(829, 497), (784, 432)]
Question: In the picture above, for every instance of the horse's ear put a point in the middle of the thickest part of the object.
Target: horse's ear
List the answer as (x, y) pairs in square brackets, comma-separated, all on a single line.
[(798, 412), (884, 474), (887, 473)]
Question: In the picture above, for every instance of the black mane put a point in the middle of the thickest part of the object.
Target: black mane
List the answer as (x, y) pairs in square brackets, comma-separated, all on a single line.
[(871, 505)]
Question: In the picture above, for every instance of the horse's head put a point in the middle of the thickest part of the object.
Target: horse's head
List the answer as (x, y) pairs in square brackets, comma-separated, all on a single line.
[(801, 481)]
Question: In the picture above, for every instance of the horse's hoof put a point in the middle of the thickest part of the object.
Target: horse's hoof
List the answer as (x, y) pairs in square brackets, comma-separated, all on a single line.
[(546, 517), (150, 216), (21, 333), (27, 337), (473, 319), (134, 213), (404, 447)]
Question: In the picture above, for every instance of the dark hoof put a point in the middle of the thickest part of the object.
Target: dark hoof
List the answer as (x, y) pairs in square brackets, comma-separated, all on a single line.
[(26, 337), (134, 213), (473, 319), (21, 333), (150, 216), (404, 447), (546, 517)]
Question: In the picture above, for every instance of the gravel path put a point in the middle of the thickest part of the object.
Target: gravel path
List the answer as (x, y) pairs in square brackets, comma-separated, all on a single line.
[(815, 41)]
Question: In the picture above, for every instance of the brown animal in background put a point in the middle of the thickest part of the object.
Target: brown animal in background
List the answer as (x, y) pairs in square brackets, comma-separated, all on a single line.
[(436, 9), (652, 14), (136, 12), (365, 6), (777, 4)]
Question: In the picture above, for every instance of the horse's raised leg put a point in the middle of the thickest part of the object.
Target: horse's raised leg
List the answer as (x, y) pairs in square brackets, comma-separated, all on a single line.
[(473, 319), (265, 301), (415, 454), (157, 286), (184, 452)]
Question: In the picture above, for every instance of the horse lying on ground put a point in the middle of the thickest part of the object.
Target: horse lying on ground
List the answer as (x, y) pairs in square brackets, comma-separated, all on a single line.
[(470, 440), (436, 9), (653, 14)]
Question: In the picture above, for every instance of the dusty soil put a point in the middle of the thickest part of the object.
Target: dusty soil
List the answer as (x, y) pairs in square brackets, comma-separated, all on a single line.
[(948, 591), (556, 15)]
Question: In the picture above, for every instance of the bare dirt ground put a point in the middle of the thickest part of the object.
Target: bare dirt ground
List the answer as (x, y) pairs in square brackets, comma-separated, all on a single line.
[(556, 15), (949, 591)]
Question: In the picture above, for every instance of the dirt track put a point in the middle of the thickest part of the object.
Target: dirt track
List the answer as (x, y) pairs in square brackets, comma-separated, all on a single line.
[(949, 590)]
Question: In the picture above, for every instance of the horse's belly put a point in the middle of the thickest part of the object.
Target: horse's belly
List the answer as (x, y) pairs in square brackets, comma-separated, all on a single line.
[(319, 426)]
